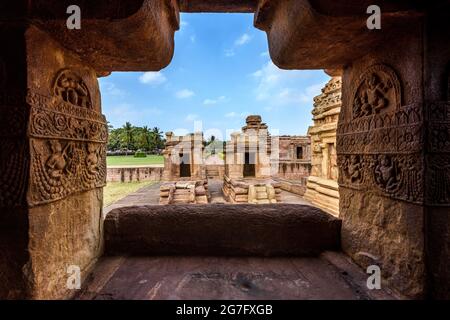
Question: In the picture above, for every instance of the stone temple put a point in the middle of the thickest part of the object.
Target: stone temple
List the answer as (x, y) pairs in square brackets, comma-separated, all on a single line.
[(391, 159), (322, 187), (255, 160), (255, 168)]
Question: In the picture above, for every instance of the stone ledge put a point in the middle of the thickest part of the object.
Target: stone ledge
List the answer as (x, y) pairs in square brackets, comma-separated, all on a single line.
[(217, 229)]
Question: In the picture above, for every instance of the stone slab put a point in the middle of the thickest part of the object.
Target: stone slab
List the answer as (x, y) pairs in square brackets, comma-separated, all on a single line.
[(265, 230)]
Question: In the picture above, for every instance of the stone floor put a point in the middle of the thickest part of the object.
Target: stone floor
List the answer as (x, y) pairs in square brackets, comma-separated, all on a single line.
[(150, 195), (329, 276)]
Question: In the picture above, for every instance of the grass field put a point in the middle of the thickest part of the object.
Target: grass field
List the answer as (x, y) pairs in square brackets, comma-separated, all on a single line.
[(131, 160), (115, 191)]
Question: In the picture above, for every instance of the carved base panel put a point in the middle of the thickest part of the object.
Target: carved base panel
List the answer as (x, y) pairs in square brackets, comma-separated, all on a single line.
[(385, 232), (64, 233)]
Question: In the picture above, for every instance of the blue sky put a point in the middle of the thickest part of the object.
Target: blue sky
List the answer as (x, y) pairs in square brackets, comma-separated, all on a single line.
[(220, 73)]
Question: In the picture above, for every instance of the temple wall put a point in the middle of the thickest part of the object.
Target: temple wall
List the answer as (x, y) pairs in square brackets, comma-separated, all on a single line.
[(191, 148), (322, 187), (292, 164), (134, 174)]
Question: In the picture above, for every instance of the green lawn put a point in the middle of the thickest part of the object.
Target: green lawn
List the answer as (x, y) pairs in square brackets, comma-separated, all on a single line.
[(131, 160), (115, 191)]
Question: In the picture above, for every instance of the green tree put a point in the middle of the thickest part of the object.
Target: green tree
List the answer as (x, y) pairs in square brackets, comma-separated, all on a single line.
[(145, 137), (127, 135), (157, 139)]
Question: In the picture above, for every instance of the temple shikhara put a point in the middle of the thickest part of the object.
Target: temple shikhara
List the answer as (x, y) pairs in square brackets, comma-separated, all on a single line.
[(367, 185)]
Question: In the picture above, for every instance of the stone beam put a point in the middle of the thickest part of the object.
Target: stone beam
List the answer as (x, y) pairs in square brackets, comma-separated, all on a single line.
[(136, 35), (245, 6), (305, 34)]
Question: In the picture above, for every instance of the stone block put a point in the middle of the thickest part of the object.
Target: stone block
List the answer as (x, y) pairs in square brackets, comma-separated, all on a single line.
[(218, 229)]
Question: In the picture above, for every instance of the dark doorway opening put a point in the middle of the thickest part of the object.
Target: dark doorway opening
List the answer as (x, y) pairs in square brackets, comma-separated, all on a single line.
[(299, 153), (249, 165), (185, 167)]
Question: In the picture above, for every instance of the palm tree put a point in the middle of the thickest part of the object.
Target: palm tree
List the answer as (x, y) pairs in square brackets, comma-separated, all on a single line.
[(146, 137), (128, 131), (157, 138)]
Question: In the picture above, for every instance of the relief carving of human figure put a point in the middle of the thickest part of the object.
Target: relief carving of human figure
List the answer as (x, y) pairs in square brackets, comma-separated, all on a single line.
[(385, 174), (373, 99), (92, 158), (56, 163), (72, 90), (354, 169)]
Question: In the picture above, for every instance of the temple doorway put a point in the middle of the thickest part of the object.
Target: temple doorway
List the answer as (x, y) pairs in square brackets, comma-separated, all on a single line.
[(185, 167), (249, 165)]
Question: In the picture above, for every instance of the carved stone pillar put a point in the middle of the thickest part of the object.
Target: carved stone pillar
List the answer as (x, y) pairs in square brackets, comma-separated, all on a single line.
[(393, 132), (53, 167), (380, 160), (393, 145), (52, 132)]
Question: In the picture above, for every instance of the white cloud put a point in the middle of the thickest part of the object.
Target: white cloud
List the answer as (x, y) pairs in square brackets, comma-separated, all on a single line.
[(213, 101), (184, 23), (184, 94), (109, 88), (245, 38), (277, 87), (152, 78), (192, 38), (209, 101), (264, 54), (137, 115), (242, 40), (229, 53), (191, 117)]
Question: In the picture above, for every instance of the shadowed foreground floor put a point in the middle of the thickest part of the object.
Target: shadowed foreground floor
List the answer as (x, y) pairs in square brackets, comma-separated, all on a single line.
[(329, 276)]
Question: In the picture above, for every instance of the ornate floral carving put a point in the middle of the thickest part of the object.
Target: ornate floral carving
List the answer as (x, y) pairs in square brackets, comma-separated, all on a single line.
[(65, 121), (70, 87), (378, 91), (68, 140)]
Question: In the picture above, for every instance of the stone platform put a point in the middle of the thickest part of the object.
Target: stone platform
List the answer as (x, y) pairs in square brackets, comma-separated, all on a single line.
[(184, 192), (250, 190)]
